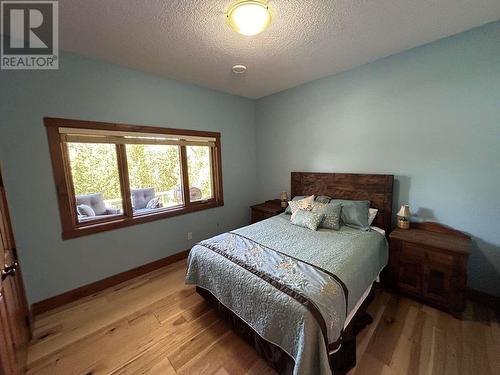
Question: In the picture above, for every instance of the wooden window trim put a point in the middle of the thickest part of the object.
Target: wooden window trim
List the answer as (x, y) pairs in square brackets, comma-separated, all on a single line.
[(71, 228)]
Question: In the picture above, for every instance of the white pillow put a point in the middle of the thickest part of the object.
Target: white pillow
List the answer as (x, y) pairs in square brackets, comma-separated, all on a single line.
[(153, 203), (372, 213), (302, 204), (85, 210)]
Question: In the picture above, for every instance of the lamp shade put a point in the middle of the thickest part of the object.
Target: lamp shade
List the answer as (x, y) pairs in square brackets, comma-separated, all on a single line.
[(284, 196), (404, 211)]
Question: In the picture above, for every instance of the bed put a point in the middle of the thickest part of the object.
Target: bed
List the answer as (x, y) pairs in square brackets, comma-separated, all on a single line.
[(299, 296)]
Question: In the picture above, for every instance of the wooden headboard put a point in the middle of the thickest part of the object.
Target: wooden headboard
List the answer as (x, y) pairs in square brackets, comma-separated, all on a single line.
[(377, 188)]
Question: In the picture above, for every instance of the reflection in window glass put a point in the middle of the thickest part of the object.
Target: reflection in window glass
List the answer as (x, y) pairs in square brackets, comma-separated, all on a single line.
[(155, 177), (199, 173), (94, 171)]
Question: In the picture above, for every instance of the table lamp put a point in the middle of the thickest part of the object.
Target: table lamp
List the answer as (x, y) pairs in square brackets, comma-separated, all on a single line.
[(404, 217)]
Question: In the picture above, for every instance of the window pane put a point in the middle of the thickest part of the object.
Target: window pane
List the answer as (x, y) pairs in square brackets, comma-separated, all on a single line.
[(155, 177), (94, 170), (199, 173)]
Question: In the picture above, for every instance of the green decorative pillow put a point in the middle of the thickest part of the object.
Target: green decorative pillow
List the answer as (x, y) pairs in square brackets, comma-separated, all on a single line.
[(307, 219), (331, 212), (323, 199), (354, 213)]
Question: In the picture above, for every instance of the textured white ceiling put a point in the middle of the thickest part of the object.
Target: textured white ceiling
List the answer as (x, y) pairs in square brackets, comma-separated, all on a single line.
[(189, 40)]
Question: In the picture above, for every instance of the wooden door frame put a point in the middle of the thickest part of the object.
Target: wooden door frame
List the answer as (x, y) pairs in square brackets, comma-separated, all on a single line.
[(14, 312)]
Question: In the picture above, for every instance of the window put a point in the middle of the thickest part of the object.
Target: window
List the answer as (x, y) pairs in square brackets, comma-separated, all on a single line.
[(113, 175), (199, 173), (154, 172), (96, 181)]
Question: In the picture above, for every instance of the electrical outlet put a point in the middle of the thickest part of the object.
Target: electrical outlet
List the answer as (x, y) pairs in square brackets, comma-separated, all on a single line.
[(190, 235)]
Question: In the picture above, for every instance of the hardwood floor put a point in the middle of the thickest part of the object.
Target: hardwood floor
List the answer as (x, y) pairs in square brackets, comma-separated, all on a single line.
[(155, 324)]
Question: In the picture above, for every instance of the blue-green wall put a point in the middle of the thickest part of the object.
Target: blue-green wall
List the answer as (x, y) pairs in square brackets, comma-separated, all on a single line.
[(92, 90), (430, 116)]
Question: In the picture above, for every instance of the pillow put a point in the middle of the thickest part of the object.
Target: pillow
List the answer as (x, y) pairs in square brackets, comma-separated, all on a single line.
[(85, 210), (331, 214), (372, 213), (307, 219), (323, 199), (354, 213), (153, 203), (297, 198), (300, 204)]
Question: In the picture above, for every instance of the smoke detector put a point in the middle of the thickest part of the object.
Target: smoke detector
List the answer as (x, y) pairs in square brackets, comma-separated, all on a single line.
[(239, 69)]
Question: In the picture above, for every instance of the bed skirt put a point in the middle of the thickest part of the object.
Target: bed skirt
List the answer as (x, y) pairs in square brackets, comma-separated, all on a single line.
[(340, 362)]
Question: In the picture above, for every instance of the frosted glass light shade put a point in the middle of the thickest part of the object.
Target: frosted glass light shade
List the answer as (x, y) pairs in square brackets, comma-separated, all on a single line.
[(249, 17)]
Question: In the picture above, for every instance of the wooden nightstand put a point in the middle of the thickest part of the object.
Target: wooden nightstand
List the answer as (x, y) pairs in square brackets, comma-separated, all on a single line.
[(429, 261), (266, 210)]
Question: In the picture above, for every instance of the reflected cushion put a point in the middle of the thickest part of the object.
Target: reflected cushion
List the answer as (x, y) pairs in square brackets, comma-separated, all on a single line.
[(85, 210), (153, 203), (140, 197), (95, 201)]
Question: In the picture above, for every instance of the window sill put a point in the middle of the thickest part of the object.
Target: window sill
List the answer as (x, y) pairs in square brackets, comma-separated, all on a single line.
[(85, 229)]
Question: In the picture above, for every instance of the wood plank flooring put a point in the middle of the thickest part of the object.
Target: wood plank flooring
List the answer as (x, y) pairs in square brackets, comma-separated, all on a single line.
[(154, 324)]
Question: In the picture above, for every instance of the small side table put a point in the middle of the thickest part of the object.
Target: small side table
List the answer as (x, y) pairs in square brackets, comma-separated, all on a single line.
[(429, 261), (266, 210)]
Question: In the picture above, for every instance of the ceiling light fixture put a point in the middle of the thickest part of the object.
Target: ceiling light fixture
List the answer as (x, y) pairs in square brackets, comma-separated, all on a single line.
[(239, 69), (249, 17)]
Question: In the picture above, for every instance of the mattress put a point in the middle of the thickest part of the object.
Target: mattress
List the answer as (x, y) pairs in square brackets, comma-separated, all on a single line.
[(365, 294)]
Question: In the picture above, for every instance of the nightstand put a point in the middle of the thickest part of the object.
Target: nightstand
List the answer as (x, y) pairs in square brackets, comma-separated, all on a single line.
[(266, 210), (429, 261)]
